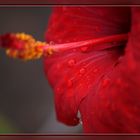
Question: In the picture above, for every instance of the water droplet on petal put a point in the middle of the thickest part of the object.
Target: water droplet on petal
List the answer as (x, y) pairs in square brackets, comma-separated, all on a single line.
[(58, 90), (84, 49), (51, 43), (88, 86), (82, 70), (71, 62), (95, 70), (58, 66), (74, 50), (69, 83), (75, 39), (68, 41), (119, 81), (105, 82)]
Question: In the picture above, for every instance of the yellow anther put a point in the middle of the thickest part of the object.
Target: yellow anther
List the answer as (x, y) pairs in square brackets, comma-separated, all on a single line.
[(23, 36), (12, 53), (25, 47), (31, 48)]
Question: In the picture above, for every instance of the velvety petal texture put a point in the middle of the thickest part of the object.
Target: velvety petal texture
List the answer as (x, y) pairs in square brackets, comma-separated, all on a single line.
[(70, 24), (116, 108), (102, 84)]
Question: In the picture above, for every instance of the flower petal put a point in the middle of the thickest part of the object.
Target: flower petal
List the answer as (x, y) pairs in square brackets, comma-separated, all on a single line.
[(75, 75), (116, 108), (70, 24)]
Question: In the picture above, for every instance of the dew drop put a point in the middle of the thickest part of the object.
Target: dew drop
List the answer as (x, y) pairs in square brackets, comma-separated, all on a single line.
[(69, 83), (74, 50), (105, 82), (119, 81), (58, 66), (67, 41), (71, 62), (95, 70), (58, 90), (51, 43), (82, 70), (84, 49), (88, 86), (75, 39)]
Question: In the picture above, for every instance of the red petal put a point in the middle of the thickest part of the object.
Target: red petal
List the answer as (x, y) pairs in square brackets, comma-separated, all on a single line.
[(74, 75), (70, 24), (116, 107)]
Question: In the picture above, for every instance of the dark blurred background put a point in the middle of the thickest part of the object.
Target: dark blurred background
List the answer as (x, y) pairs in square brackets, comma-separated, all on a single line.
[(26, 99)]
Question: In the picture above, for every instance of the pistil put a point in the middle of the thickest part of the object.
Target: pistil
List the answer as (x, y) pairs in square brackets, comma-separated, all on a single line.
[(25, 47)]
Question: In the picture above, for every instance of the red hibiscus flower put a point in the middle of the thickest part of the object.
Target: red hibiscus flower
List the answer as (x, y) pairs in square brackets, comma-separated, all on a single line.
[(101, 81), (92, 63)]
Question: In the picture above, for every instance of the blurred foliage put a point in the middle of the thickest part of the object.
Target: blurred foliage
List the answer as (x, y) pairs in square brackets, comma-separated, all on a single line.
[(6, 125)]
